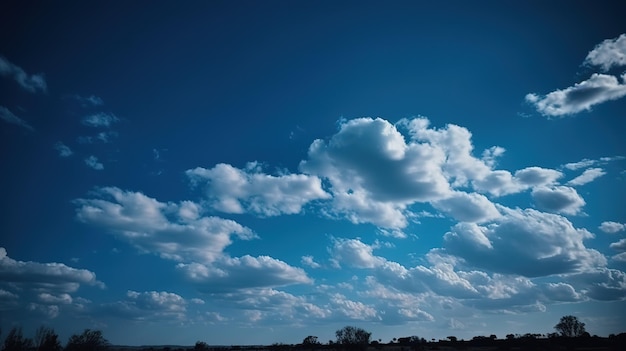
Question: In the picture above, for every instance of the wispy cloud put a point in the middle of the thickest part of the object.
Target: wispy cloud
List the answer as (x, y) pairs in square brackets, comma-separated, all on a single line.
[(588, 176), (90, 100), (100, 119), (599, 88), (92, 161), (32, 83), (9, 117), (64, 150), (102, 137)]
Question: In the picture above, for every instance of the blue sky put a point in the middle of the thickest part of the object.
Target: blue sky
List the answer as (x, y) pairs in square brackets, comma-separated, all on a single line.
[(255, 172)]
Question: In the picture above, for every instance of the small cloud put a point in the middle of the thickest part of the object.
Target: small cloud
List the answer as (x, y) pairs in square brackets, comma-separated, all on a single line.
[(599, 88), (9, 117), (92, 161), (609, 53), (100, 119), (102, 137), (558, 199), (612, 227), (588, 176), (31, 83), (308, 260), (91, 100), (64, 150)]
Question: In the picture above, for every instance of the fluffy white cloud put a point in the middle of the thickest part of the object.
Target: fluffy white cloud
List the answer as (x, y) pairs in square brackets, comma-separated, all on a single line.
[(55, 299), (352, 309), (619, 245), (309, 261), (100, 119), (170, 230), (232, 190), (525, 242), (53, 277), (603, 284), (354, 253), (8, 116), (501, 182), (32, 83), (609, 53), (62, 149), (149, 306), (466, 207), (612, 227), (92, 162), (589, 175), (582, 96), (559, 199), (243, 272)]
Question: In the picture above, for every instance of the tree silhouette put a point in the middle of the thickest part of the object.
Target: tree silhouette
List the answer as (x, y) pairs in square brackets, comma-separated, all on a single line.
[(310, 340), (201, 346), (89, 340), (570, 326), (353, 338), (47, 340), (15, 341)]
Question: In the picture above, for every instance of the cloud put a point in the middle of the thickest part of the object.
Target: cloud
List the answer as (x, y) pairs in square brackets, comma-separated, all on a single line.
[(602, 284), (309, 261), (524, 242), (62, 149), (51, 277), (32, 83), (149, 306), (466, 207), (232, 190), (102, 137), (9, 117), (100, 119), (352, 309), (92, 161), (173, 231), (589, 175), (599, 88), (90, 100), (354, 253), (619, 245), (609, 53), (229, 273), (558, 199), (612, 227)]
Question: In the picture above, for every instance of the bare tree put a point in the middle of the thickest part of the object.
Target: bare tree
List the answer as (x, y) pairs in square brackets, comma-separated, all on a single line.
[(570, 326), (353, 338), (15, 341)]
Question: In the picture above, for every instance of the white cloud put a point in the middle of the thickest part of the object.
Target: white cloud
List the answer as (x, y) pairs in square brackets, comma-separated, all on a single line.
[(582, 96), (32, 83), (92, 162), (62, 149), (149, 306), (609, 53), (355, 253), (559, 199), (619, 245), (100, 119), (620, 257), (524, 242), (166, 229), (55, 299), (584, 163), (309, 261), (352, 309), (589, 175), (232, 190), (44, 276), (9, 117), (466, 207), (229, 273), (612, 227), (602, 284)]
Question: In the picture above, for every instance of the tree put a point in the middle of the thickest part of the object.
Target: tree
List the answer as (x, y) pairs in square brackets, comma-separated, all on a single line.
[(15, 341), (310, 340), (201, 346), (570, 326), (353, 338), (47, 340), (89, 340)]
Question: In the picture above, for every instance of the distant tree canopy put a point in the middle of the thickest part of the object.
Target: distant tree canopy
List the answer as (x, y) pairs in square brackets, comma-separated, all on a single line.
[(353, 337), (570, 326), (47, 340), (89, 340), (15, 341), (201, 346), (310, 340)]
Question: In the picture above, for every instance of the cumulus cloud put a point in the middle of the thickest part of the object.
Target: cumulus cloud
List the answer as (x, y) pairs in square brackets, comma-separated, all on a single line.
[(52, 277), (8, 116), (558, 199), (243, 272), (525, 242), (612, 227), (582, 96), (602, 284), (588, 176), (173, 231), (355, 253), (468, 207), (619, 245), (100, 119), (149, 306), (309, 261), (352, 309), (31, 83), (92, 162), (232, 190), (62, 149), (609, 53)]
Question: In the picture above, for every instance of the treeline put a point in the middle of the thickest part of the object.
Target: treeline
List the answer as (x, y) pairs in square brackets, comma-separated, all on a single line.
[(46, 339)]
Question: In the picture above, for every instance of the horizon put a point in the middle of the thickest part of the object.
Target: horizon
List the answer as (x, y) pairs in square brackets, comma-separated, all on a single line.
[(176, 172)]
